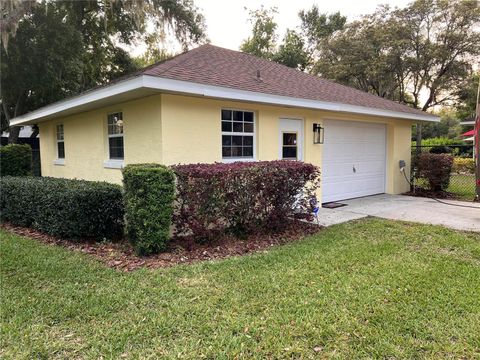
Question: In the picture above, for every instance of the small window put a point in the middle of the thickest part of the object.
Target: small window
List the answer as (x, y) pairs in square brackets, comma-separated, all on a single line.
[(60, 142), (289, 146), (238, 130), (115, 136)]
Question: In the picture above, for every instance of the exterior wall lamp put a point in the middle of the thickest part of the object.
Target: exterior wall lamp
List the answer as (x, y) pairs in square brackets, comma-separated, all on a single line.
[(318, 134)]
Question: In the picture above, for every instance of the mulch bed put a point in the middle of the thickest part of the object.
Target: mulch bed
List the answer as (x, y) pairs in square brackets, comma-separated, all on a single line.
[(421, 192), (120, 255)]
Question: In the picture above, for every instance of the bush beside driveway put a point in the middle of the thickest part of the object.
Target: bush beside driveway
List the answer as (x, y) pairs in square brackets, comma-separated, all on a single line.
[(371, 288)]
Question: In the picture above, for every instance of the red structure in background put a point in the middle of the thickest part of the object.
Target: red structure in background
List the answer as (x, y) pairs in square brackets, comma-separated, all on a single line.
[(477, 142), (468, 133)]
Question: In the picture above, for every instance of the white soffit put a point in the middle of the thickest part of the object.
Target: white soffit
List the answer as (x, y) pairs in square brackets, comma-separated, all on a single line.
[(146, 85)]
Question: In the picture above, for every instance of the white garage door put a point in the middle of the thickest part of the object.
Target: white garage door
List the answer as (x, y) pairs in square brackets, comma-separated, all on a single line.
[(353, 160)]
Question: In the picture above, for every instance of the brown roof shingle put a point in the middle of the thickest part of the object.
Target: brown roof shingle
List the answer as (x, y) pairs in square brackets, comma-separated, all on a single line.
[(212, 65)]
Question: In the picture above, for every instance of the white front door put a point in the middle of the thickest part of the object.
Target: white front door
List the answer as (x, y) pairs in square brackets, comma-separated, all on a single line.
[(354, 160), (290, 139)]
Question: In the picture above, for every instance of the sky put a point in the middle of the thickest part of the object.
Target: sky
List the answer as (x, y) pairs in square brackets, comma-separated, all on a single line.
[(227, 20)]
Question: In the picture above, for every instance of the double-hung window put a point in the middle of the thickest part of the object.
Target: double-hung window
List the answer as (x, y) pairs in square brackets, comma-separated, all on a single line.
[(238, 131), (289, 146), (60, 142), (115, 136)]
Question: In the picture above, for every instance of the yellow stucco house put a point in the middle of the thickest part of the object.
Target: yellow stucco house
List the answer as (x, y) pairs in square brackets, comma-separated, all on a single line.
[(211, 105)]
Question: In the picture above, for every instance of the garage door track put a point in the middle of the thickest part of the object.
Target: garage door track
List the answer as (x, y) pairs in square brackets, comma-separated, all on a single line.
[(457, 215)]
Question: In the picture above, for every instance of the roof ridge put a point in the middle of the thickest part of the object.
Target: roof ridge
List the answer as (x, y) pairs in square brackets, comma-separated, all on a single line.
[(172, 59)]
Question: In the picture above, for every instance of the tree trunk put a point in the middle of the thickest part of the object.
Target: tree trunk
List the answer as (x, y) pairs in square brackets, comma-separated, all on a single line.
[(13, 133), (418, 139)]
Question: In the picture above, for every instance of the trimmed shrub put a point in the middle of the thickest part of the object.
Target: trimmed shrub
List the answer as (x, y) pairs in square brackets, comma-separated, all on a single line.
[(75, 209), (463, 165), (149, 195), (436, 169), (242, 196), (15, 160)]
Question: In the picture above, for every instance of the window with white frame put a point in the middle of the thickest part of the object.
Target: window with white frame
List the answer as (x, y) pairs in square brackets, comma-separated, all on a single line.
[(289, 146), (115, 136), (238, 131), (60, 142)]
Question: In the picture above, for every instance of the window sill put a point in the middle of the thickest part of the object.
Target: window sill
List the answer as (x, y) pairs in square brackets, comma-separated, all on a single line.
[(232, 160), (113, 164), (60, 162)]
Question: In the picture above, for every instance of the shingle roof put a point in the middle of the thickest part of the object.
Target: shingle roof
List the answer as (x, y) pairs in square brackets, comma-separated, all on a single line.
[(212, 65), (223, 68)]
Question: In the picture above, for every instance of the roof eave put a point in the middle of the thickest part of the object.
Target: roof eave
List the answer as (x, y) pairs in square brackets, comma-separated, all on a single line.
[(184, 87)]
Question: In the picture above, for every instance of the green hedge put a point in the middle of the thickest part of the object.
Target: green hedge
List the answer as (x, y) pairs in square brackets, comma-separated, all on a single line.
[(149, 194), (15, 160), (65, 208)]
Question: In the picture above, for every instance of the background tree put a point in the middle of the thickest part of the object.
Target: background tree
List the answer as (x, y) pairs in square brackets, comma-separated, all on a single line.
[(317, 27), (264, 41), (366, 54), (467, 97), (448, 127), (43, 64), (292, 51), (86, 48), (421, 55), (155, 51)]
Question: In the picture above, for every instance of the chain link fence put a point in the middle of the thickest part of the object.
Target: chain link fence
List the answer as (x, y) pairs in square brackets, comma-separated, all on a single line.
[(462, 178)]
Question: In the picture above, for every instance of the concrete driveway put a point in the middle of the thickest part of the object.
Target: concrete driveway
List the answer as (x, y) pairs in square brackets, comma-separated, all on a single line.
[(459, 215)]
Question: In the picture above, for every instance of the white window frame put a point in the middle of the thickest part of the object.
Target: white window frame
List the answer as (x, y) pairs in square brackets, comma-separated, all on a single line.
[(236, 133), (59, 160), (291, 146), (114, 162)]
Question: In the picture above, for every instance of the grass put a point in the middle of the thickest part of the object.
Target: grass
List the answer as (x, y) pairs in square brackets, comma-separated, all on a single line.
[(367, 289)]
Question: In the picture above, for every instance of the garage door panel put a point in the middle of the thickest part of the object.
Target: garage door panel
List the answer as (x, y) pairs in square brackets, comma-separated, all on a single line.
[(353, 160)]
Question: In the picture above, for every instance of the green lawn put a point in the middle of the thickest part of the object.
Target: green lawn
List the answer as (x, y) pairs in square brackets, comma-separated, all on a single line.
[(367, 289)]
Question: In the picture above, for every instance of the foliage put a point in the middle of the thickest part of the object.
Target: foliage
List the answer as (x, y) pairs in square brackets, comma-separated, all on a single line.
[(241, 197), (436, 169), (448, 127), (317, 27), (463, 165), (15, 160), (437, 141), (455, 147), (263, 41), (467, 97), (151, 56), (61, 48), (426, 47), (420, 282), (149, 195), (291, 52), (39, 67), (12, 12), (66, 208)]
